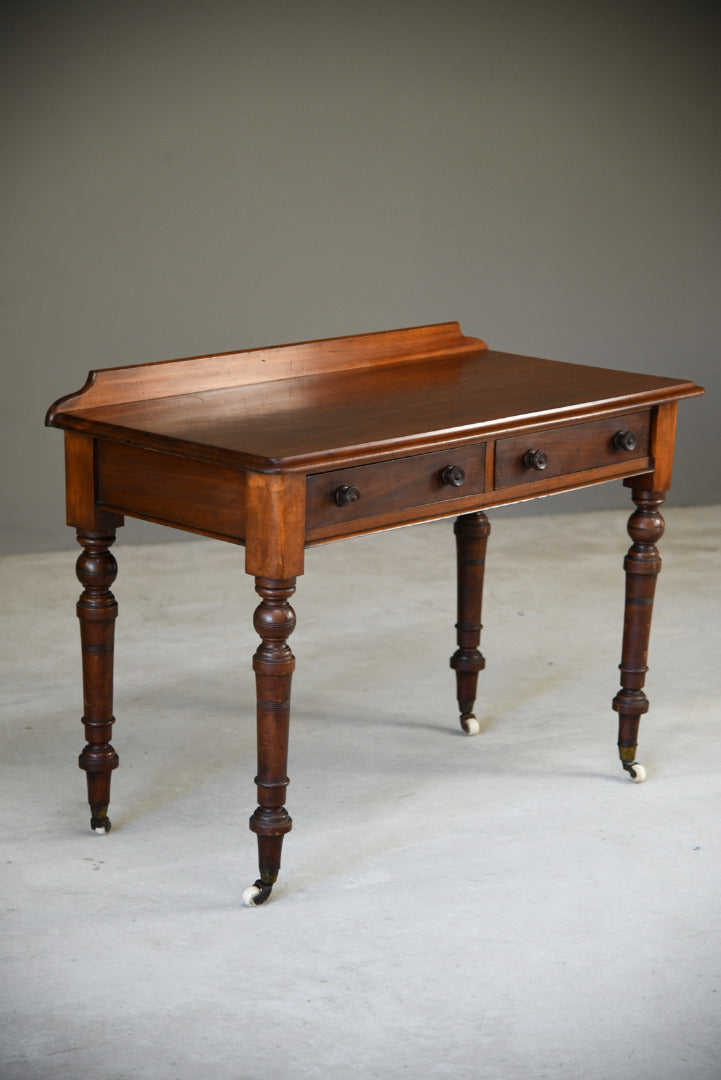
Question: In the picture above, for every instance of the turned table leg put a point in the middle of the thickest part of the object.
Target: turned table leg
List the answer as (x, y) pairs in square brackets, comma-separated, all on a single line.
[(273, 663), (642, 566), (97, 611), (472, 531)]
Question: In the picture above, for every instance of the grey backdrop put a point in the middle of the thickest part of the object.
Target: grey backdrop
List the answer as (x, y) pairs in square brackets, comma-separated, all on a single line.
[(182, 178)]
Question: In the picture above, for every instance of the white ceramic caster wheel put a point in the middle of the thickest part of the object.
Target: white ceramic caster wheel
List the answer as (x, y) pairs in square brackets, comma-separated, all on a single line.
[(256, 894), (250, 896), (100, 830), (637, 772), (470, 725)]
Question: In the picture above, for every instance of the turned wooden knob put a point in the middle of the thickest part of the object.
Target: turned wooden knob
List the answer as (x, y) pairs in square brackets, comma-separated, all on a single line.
[(347, 494), (624, 440), (453, 475), (535, 459)]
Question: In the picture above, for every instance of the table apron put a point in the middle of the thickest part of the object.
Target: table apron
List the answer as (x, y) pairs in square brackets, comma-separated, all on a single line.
[(195, 495)]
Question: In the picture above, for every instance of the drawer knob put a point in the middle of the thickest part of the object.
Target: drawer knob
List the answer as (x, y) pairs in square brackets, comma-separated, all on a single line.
[(454, 475), (535, 459), (347, 494), (624, 440)]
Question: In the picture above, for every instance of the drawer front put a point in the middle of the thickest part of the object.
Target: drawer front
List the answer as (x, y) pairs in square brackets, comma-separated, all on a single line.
[(368, 491), (615, 441)]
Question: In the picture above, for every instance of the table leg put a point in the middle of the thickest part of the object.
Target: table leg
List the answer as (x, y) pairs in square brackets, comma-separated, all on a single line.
[(642, 565), (472, 531), (273, 663), (97, 611)]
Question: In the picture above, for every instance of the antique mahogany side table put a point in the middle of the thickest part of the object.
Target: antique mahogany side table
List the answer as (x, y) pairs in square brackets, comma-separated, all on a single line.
[(280, 448)]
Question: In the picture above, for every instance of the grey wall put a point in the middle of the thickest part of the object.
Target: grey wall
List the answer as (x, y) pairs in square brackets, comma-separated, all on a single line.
[(182, 178)]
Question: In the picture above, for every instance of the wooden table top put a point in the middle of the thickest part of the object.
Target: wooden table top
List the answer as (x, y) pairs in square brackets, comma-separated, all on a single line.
[(290, 416)]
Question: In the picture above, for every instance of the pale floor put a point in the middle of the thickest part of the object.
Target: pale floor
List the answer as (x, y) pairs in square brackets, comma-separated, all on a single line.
[(508, 906)]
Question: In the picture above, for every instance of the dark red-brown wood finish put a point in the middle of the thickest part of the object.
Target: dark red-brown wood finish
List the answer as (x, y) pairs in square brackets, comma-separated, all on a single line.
[(280, 448)]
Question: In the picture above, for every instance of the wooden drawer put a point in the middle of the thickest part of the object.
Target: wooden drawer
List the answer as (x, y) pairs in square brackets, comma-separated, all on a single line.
[(368, 491), (571, 449)]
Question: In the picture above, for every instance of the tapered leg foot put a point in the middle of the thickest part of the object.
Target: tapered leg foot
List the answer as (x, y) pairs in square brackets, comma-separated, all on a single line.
[(472, 531), (273, 664), (97, 611), (642, 566)]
